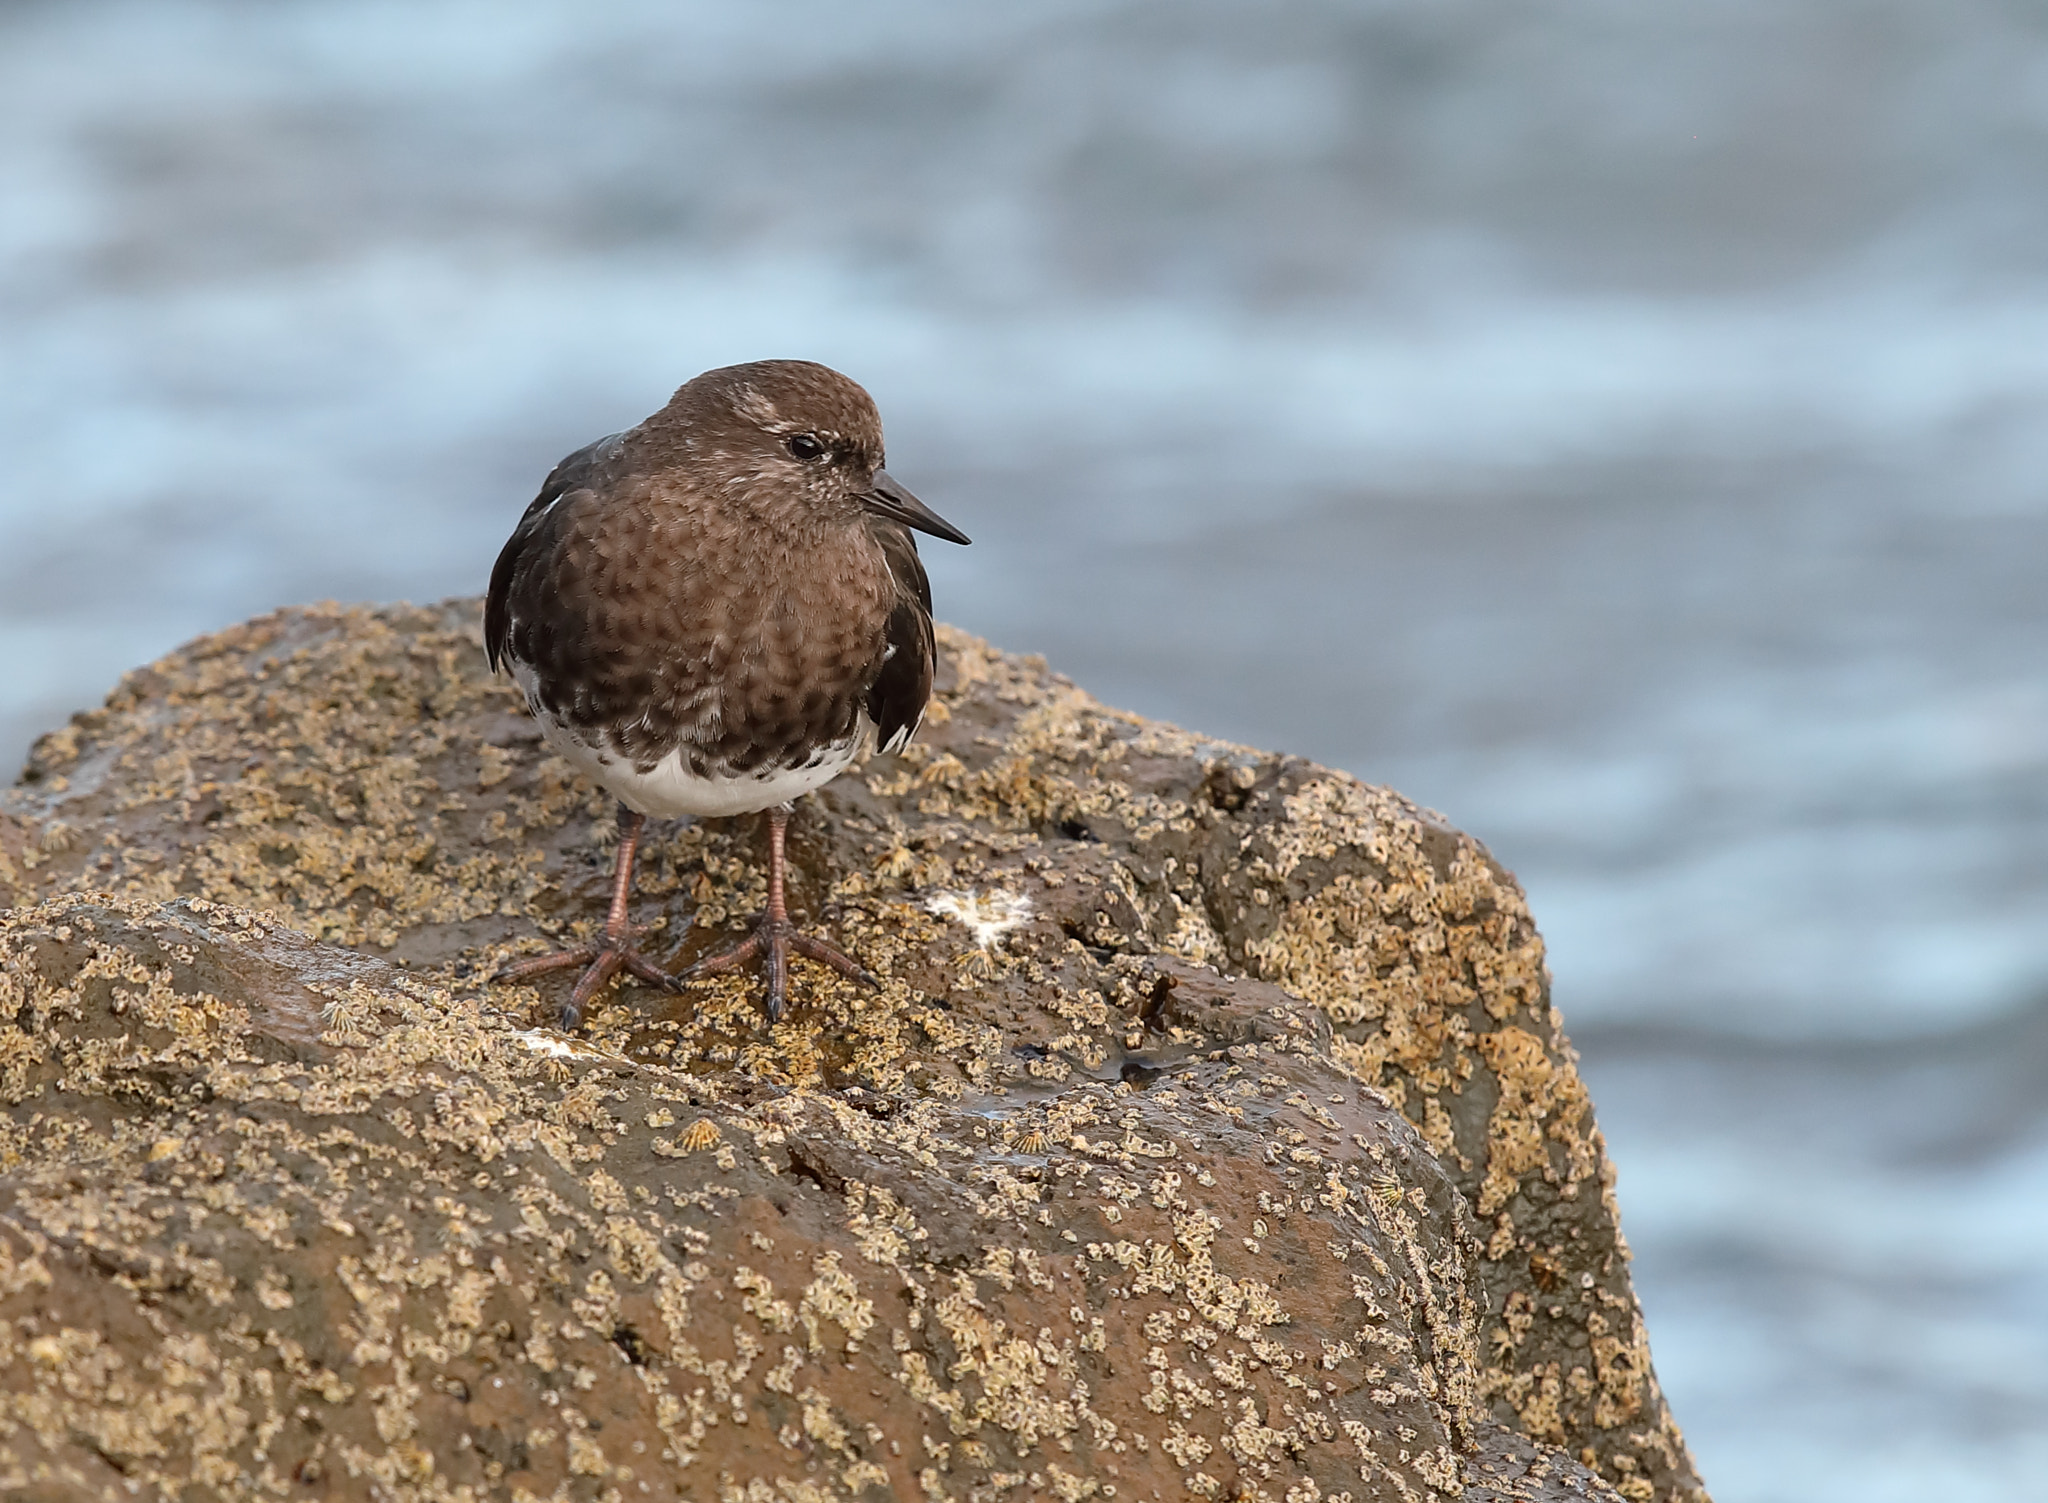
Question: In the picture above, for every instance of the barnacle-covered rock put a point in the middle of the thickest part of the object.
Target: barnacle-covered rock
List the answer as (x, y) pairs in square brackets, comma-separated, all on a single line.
[(1212, 1134)]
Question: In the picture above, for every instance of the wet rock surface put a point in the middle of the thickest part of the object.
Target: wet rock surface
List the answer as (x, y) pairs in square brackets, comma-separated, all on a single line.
[(1211, 1135)]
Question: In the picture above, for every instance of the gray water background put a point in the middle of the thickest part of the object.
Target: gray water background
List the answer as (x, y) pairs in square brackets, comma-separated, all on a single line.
[(1619, 426)]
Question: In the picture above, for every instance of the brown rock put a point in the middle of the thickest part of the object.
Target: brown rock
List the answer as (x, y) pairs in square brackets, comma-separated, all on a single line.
[(1153, 1167)]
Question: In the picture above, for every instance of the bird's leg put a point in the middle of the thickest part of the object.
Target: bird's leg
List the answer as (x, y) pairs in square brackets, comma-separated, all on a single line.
[(612, 952), (775, 936)]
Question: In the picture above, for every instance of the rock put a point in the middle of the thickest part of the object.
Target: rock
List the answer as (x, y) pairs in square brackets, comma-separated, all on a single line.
[(1211, 1135)]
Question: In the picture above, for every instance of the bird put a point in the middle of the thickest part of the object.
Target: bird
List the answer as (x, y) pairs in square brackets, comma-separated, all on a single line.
[(712, 614)]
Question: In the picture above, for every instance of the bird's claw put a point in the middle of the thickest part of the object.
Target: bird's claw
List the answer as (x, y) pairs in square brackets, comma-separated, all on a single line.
[(601, 960), (773, 939)]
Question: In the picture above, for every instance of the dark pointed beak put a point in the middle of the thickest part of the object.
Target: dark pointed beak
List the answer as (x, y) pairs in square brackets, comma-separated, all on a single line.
[(888, 499)]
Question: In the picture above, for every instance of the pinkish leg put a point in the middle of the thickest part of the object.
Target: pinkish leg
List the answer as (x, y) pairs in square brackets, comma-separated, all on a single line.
[(775, 936), (612, 952)]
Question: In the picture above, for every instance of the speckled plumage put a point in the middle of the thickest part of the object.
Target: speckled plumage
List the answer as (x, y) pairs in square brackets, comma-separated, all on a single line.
[(709, 613), (690, 589)]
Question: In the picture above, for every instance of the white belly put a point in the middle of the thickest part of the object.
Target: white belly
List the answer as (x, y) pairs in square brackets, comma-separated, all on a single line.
[(669, 788)]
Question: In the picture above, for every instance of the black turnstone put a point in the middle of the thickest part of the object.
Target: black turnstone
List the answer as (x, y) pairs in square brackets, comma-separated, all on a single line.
[(710, 614)]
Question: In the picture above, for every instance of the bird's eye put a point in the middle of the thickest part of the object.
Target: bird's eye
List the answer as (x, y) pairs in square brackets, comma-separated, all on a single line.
[(804, 445)]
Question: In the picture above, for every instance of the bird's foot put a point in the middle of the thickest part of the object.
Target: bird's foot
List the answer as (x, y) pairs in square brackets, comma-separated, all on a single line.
[(602, 959), (772, 940)]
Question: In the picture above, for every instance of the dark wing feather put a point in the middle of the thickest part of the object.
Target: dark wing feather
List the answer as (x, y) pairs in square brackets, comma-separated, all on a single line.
[(901, 690), (588, 468)]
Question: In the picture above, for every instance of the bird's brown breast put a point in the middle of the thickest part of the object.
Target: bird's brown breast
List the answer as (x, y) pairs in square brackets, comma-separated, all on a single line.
[(653, 622)]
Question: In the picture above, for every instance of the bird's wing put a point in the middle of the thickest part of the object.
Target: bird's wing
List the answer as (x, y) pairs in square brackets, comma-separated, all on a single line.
[(588, 468), (897, 698)]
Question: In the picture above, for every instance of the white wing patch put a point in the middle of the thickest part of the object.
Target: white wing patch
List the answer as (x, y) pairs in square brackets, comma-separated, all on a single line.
[(901, 739)]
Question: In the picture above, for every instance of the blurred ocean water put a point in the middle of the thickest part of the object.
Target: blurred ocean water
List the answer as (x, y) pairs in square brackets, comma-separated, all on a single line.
[(1624, 429)]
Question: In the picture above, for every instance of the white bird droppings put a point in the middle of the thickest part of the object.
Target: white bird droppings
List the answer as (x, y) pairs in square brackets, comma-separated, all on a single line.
[(990, 915)]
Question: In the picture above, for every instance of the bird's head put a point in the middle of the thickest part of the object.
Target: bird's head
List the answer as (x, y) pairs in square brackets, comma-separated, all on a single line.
[(794, 438)]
